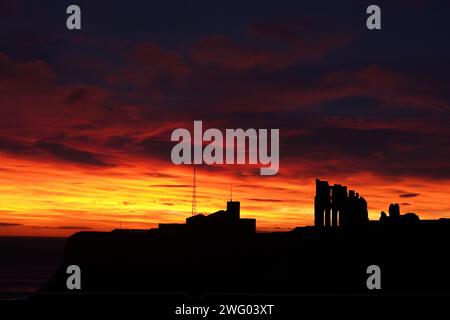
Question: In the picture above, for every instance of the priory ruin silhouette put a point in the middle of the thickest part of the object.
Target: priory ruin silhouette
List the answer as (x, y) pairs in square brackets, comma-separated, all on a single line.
[(220, 254)]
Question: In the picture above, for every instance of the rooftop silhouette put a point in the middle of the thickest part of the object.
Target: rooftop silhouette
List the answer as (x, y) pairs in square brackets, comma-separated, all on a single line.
[(220, 222)]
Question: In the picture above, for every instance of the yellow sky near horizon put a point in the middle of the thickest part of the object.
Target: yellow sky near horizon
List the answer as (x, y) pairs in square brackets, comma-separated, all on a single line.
[(48, 199)]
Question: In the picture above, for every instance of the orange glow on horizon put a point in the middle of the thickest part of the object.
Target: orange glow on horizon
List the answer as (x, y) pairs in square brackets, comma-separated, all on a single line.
[(50, 199)]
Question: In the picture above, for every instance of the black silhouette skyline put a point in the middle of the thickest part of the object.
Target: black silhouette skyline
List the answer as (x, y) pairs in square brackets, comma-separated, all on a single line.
[(223, 253)]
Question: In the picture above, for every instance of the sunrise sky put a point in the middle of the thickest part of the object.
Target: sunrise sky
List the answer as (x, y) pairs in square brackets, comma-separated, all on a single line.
[(86, 116)]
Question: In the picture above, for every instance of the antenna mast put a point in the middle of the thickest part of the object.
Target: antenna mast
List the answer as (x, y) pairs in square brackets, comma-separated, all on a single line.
[(194, 195)]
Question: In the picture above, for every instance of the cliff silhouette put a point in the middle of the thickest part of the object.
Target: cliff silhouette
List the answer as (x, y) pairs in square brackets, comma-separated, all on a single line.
[(222, 254)]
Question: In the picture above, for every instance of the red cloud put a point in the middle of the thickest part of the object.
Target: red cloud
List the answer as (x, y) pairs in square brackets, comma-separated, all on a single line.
[(226, 53), (147, 64), (393, 88), (271, 46)]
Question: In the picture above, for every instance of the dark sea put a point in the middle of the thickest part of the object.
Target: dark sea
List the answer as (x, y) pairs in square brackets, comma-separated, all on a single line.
[(26, 263)]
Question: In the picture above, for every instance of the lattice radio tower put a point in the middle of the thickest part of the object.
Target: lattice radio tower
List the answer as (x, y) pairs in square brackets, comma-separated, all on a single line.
[(194, 195)]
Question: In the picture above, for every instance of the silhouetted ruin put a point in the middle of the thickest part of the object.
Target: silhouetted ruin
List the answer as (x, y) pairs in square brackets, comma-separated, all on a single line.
[(394, 211), (193, 260), (395, 217), (334, 207)]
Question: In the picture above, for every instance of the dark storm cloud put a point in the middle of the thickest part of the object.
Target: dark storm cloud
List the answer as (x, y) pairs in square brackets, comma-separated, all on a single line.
[(12, 146), (76, 95), (68, 227), (4, 224), (156, 147), (170, 185), (73, 228), (409, 195), (350, 106), (388, 152), (82, 127), (119, 141), (226, 53), (70, 154)]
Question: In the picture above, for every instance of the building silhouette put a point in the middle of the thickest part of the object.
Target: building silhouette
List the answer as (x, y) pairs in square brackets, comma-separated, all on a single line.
[(334, 206), (195, 258), (227, 221)]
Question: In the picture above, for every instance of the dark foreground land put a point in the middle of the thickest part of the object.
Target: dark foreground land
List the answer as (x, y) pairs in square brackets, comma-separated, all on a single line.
[(308, 262)]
